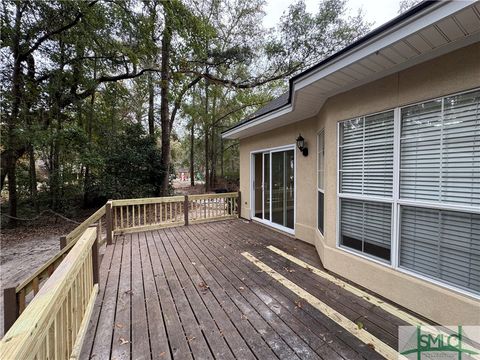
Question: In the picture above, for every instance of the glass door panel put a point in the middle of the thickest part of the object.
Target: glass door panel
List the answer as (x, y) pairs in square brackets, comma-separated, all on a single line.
[(258, 179), (278, 187), (266, 186), (274, 187), (289, 189)]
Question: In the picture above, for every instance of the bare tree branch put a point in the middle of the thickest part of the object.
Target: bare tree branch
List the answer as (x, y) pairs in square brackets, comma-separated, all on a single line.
[(178, 100)]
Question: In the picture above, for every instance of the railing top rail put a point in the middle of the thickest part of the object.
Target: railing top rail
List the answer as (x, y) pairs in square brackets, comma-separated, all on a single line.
[(213, 196), (154, 200), (34, 322), (40, 270), (75, 233)]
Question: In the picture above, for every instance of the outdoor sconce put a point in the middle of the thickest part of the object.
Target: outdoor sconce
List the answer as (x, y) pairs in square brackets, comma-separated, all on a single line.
[(301, 145)]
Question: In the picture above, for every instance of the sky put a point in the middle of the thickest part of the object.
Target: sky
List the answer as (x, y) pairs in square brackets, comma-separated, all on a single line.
[(377, 12)]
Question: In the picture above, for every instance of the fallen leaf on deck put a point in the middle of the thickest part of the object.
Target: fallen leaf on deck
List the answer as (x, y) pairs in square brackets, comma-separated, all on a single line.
[(371, 346), (241, 288), (123, 341), (162, 353), (119, 325), (298, 304), (359, 325), (191, 338)]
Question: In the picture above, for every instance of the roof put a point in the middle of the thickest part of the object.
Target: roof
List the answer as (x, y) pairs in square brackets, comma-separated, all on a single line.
[(274, 104), (421, 13)]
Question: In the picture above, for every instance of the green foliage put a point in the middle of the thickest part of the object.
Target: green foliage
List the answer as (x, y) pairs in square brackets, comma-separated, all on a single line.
[(131, 166)]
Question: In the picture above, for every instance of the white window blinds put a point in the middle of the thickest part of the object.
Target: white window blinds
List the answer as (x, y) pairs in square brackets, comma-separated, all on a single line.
[(366, 226), (321, 160), (366, 155), (440, 150), (441, 244)]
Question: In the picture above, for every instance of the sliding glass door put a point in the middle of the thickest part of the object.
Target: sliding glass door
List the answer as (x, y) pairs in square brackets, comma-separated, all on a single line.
[(274, 188)]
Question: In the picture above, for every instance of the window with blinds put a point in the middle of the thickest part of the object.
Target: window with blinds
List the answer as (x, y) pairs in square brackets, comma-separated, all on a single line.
[(320, 178), (441, 244), (366, 227), (366, 155), (436, 182), (440, 150)]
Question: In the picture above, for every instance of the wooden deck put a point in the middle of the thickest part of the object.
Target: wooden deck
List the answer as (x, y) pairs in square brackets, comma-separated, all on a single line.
[(188, 293)]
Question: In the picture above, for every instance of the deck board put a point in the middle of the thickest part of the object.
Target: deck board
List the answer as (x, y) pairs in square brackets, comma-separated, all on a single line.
[(187, 293)]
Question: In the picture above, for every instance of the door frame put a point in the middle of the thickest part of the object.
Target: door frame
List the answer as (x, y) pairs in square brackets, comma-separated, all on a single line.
[(252, 187)]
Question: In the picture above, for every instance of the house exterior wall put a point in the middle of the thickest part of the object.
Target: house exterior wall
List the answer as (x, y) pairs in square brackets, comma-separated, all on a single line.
[(454, 72)]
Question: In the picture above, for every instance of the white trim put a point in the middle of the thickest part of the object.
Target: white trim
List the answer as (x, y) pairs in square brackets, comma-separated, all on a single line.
[(365, 256), (476, 88), (394, 249), (439, 206), (365, 197), (425, 18), (274, 114), (318, 188)]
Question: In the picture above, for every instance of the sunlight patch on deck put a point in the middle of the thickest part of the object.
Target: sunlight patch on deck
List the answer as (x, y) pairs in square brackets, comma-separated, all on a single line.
[(354, 290), (367, 338)]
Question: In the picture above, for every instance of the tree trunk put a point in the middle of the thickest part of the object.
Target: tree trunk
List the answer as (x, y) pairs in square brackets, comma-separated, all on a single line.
[(56, 171), (11, 160), (33, 177), (222, 171), (207, 172), (192, 144), (87, 186), (164, 111), (151, 95)]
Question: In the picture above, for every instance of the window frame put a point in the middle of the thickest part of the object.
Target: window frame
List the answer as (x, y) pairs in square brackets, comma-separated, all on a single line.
[(318, 171), (396, 201)]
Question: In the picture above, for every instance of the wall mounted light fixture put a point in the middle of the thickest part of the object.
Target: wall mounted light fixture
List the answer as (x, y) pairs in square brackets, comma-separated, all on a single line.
[(301, 145)]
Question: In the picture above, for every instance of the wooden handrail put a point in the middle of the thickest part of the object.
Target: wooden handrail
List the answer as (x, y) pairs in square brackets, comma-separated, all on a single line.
[(75, 233), (62, 307), (154, 200), (213, 196)]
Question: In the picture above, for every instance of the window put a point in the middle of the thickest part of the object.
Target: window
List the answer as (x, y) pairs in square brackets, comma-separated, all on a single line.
[(440, 150), (409, 185), (366, 153), (366, 226), (366, 175), (441, 244), (320, 179)]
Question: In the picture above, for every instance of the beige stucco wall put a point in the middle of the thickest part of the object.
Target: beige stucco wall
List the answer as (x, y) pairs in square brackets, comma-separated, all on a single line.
[(454, 72)]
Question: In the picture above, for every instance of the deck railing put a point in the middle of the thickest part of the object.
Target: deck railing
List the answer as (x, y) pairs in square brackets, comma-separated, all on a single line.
[(54, 324), (16, 298), (123, 216), (132, 215)]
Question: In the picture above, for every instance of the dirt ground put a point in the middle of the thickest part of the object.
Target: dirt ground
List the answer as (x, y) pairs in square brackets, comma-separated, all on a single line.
[(27, 247)]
